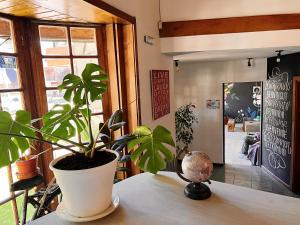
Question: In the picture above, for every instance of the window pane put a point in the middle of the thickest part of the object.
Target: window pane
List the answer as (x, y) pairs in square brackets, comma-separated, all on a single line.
[(55, 97), (55, 70), (6, 37), (96, 120), (54, 40), (8, 72), (11, 102), (79, 64), (83, 41), (96, 106)]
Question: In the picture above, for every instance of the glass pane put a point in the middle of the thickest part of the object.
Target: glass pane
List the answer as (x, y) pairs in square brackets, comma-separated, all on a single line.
[(96, 106), (83, 41), (55, 70), (55, 97), (8, 72), (79, 64), (6, 37), (11, 102), (96, 120), (54, 40)]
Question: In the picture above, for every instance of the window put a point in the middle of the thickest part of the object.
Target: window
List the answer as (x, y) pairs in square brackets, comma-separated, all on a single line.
[(11, 100), (64, 50), (34, 58)]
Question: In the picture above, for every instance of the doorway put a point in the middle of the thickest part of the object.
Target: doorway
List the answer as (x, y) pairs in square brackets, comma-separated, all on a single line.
[(242, 123)]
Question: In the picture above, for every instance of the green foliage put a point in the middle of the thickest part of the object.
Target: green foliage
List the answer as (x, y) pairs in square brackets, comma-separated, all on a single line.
[(62, 121), (151, 155), (91, 82), (65, 121), (10, 145), (184, 119)]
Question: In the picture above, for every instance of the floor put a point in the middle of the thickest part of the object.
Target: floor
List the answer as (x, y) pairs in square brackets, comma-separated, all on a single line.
[(233, 143), (250, 176), (238, 170)]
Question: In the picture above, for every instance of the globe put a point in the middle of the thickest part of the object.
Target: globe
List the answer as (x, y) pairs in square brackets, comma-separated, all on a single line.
[(197, 166)]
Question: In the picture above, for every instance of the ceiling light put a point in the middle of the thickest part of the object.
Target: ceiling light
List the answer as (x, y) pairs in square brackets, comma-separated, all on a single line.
[(278, 55), (177, 65), (249, 62)]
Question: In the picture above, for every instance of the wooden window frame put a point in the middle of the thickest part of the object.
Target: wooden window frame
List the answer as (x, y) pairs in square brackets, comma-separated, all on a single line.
[(119, 57)]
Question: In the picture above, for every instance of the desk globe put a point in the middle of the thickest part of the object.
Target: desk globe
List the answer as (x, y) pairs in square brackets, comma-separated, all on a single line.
[(197, 168)]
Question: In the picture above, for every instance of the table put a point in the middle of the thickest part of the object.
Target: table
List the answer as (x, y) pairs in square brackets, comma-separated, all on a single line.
[(147, 199)]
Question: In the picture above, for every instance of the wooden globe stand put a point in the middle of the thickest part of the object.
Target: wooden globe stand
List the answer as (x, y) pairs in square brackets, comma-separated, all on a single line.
[(195, 191)]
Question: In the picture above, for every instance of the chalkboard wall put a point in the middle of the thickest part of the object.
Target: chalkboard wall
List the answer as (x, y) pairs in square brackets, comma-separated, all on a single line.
[(240, 96), (277, 116)]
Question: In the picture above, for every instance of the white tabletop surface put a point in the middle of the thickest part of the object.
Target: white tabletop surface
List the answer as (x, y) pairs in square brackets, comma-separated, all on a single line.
[(148, 199)]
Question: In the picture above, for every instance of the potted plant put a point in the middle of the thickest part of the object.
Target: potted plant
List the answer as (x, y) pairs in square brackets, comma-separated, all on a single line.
[(85, 176), (184, 120)]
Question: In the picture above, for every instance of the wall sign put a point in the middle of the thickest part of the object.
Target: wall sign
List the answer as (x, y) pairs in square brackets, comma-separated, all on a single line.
[(213, 104), (160, 90)]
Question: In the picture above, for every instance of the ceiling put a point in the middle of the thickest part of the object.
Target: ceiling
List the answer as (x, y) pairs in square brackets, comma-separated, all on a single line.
[(58, 10), (226, 55)]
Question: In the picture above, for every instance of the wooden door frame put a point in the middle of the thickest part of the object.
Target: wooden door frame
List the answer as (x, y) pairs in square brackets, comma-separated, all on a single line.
[(295, 152)]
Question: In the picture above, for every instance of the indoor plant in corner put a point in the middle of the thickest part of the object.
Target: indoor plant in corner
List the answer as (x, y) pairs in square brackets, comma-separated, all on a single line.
[(86, 175)]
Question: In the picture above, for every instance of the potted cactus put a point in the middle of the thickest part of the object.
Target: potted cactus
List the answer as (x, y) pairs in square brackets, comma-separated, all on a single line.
[(86, 174)]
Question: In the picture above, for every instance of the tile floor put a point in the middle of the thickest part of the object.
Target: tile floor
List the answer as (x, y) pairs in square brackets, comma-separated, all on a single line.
[(238, 170), (233, 144), (250, 176)]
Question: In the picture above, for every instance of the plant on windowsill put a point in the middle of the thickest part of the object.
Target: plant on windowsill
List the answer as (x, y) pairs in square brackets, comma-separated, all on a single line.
[(85, 176)]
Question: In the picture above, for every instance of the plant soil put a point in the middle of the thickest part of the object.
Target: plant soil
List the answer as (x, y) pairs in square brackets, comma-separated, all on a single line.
[(79, 161)]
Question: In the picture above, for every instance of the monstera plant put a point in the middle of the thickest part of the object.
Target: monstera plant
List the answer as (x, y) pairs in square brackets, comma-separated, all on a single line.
[(89, 168)]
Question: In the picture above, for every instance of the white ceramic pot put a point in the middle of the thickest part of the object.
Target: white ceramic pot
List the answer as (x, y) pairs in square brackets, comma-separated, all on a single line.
[(86, 192)]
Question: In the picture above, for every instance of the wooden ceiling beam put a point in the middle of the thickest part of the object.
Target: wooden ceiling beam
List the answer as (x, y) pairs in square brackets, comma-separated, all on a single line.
[(230, 25)]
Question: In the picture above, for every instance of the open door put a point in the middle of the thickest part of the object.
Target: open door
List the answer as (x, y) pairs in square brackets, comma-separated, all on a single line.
[(296, 136)]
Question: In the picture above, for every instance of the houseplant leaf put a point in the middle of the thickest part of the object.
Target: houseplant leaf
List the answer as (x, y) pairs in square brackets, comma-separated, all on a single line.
[(152, 153), (9, 146), (91, 82), (61, 122)]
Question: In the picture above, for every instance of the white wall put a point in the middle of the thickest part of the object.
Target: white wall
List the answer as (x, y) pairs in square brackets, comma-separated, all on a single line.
[(149, 57), (280, 39), (177, 10), (197, 82)]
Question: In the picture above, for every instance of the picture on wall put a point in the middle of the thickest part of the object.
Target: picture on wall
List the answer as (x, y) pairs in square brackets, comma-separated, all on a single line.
[(213, 104), (160, 90)]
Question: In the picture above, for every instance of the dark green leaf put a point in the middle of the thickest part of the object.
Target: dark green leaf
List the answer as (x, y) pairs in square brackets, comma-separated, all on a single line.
[(62, 121), (10, 145), (91, 82), (151, 154)]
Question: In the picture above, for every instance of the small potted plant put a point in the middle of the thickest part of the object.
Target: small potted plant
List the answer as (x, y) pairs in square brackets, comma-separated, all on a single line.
[(85, 176), (184, 120)]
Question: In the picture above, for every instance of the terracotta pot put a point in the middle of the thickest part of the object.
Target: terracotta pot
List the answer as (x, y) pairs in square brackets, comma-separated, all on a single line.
[(86, 192), (27, 168)]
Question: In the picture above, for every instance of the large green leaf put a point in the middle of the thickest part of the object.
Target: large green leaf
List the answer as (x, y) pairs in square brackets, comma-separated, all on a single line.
[(62, 121), (152, 154), (91, 82), (10, 145)]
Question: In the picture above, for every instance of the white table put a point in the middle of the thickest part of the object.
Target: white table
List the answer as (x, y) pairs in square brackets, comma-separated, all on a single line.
[(158, 200)]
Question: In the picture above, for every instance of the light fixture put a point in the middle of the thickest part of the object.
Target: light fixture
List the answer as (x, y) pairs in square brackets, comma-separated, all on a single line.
[(249, 62), (177, 65), (278, 55)]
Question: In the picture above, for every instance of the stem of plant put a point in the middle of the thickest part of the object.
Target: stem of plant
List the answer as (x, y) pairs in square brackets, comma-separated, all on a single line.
[(94, 144), (89, 121), (41, 140)]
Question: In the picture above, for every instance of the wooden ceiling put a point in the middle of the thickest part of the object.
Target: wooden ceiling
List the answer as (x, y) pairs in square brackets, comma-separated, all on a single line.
[(83, 11)]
